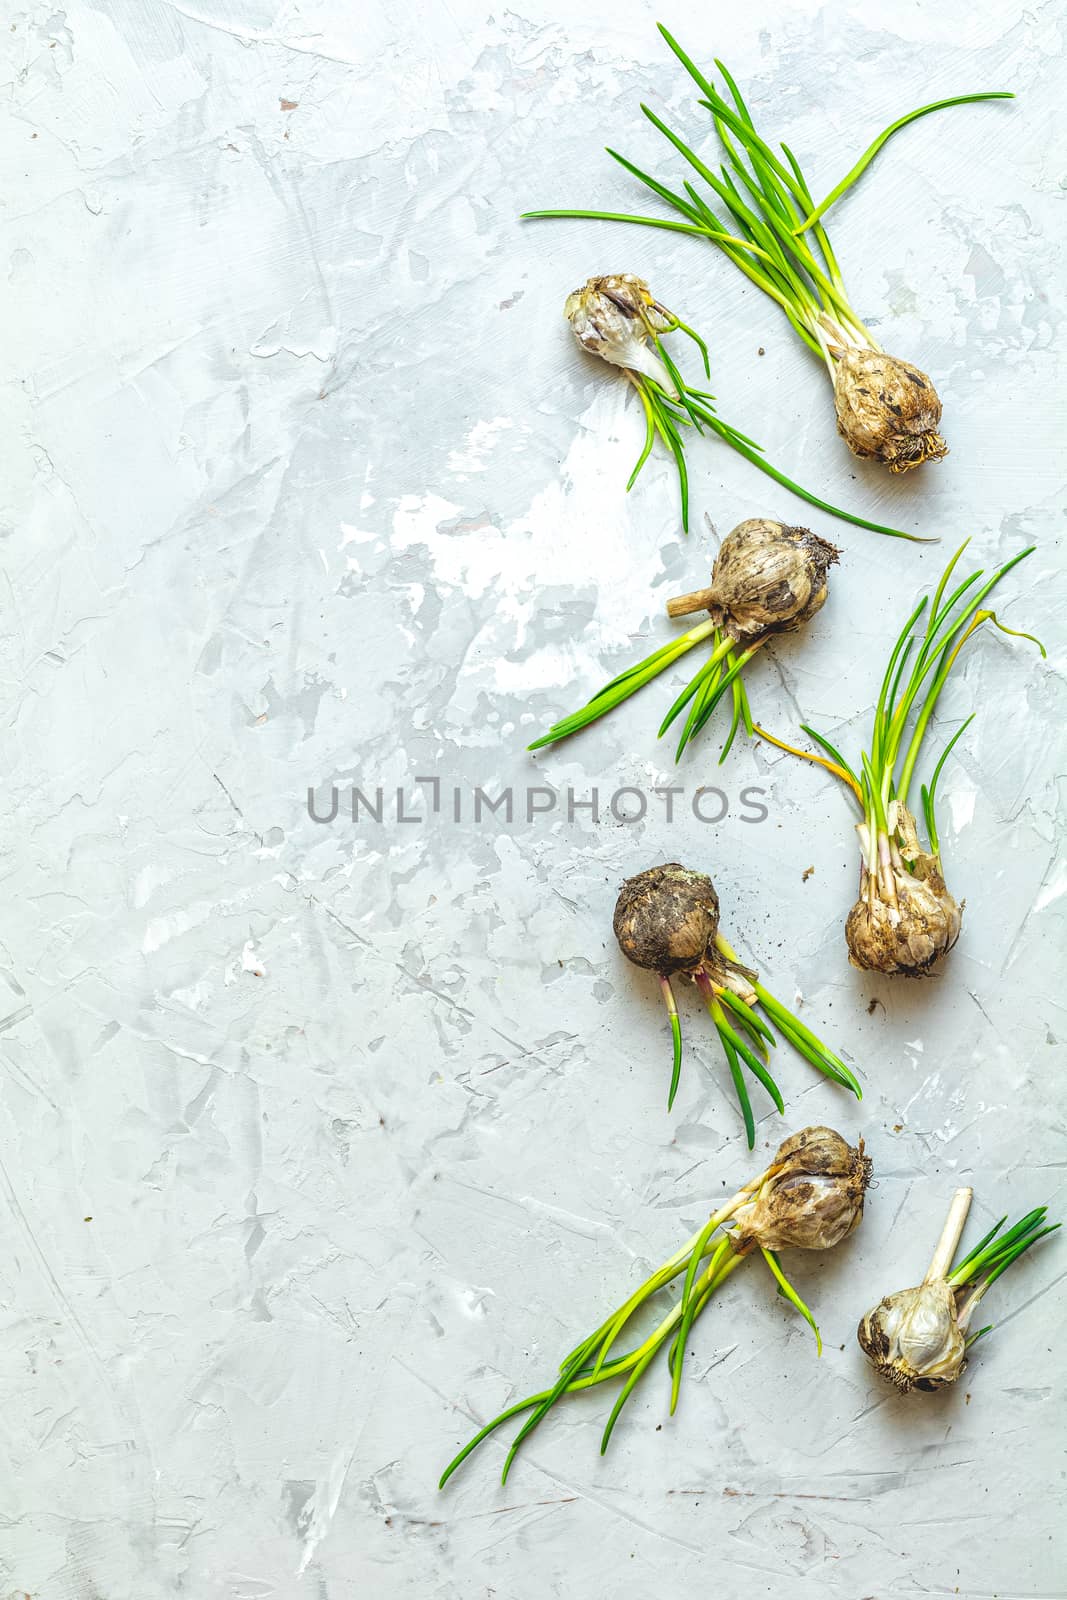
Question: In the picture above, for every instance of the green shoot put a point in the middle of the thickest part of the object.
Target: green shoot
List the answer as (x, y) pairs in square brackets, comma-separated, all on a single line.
[(768, 223), (732, 993), (920, 664), (707, 1259)]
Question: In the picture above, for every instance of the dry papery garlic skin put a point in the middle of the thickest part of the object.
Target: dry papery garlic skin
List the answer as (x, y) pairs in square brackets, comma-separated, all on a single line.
[(613, 316), (768, 577), (904, 921)]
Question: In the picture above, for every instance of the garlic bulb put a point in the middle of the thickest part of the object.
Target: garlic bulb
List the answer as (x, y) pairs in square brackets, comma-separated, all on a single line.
[(917, 1338), (613, 317), (905, 919), (666, 918), (913, 1338), (887, 409), (814, 1198), (767, 578), (906, 934)]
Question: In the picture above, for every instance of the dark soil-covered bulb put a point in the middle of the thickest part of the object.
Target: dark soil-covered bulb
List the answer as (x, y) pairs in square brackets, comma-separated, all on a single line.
[(667, 921), (814, 1200), (767, 578), (666, 918), (913, 1339), (887, 409), (909, 930)]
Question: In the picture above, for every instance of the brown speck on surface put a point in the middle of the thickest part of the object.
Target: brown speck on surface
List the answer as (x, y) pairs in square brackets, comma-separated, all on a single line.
[(871, 1007), (967, 1399), (87, 1219), (809, 872), (761, 351), (898, 1127), (288, 105)]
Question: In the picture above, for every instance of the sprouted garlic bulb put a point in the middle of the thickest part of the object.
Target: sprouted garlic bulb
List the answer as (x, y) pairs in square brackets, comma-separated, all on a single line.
[(769, 1211), (887, 410), (904, 919), (913, 1338), (771, 228), (815, 1198), (667, 922), (768, 578), (917, 1339), (616, 317)]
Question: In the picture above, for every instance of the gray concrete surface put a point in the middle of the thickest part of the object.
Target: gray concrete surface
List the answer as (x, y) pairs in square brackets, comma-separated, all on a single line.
[(320, 1142)]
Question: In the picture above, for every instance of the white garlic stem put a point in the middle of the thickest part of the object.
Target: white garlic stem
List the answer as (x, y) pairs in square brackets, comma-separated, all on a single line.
[(636, 357), (950, 1236)]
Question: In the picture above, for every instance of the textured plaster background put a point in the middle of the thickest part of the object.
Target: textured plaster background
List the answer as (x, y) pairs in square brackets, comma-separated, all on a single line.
[(319, 1143)]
